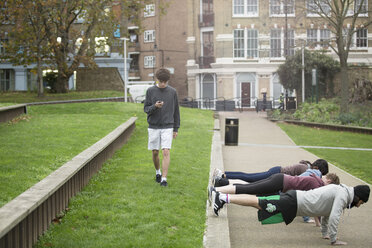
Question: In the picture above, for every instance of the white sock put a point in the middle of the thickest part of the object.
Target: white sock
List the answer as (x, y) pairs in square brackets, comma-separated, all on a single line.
[(158, 172), (163, 179), (225, 197)]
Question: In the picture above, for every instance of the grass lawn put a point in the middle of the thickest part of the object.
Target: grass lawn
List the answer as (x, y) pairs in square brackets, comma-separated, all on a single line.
[(357, 163), (27, 97), (122, 206)]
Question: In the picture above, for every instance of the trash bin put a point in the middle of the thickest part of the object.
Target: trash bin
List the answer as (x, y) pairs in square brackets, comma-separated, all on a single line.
[(231, 131), (291, 103)]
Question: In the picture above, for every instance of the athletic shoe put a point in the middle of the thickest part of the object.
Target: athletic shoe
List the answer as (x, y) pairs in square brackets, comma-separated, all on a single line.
[(158, 178), (164, 183), (210, 190), (221, 182), (217, 203), (217, 174)]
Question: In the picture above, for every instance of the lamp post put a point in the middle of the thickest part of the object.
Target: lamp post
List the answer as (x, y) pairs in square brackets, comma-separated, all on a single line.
[(303, 71), (125, 68)]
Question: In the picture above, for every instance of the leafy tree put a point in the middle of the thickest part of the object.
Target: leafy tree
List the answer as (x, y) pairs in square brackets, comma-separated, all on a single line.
[(28, 39), (342, 19), (71, 31), (290, 73)]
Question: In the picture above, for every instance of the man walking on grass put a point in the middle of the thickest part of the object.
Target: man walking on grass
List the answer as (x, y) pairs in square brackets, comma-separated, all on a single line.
[(163, 117)]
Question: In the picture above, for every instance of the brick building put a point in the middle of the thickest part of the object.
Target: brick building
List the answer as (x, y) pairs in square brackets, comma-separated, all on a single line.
[(236, 46), (162, 43)]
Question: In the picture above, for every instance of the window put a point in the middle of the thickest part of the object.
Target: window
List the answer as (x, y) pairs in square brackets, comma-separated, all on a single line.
[(275, 43), (361, 38), (312, 37), (149, 36), (245, 43), (239, 43), (245, 8), (316, 7), (101, 46), (149, 10), (361, 7), (325, 36), (149, 61), (2, 48), (5, 79), (291, 44), (278, 7), (252, 43)]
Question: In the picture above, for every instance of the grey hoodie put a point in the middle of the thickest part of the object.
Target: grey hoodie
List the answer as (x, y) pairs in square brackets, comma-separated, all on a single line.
[(328, 201)]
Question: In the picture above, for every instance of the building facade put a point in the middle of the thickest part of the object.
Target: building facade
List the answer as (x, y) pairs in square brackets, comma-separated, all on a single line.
[(161, 44), (236, 46), (24, 77)]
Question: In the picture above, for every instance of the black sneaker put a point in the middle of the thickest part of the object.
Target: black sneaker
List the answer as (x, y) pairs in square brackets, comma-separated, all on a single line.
[(217, 203), (158, 178), (164, 183), (221, 182)]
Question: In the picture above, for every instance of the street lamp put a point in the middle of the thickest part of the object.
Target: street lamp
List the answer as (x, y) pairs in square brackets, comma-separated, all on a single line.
[(303, 71), (125, 68)]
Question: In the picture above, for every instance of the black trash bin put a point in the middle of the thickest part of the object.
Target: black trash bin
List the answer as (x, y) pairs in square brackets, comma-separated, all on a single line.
[(231, 131)]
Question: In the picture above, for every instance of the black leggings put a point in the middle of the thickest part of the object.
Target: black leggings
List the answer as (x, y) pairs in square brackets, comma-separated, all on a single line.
[(270, 185)]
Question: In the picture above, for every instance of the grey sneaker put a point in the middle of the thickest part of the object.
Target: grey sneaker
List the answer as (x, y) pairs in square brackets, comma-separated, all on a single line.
[(217, 203), (217, 175), (210, 190)]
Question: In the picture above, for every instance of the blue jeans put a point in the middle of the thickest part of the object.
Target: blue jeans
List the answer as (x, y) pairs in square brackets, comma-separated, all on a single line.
[(252, 177)]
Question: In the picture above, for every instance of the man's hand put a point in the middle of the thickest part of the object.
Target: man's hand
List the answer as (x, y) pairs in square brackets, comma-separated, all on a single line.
[(159, 104), (175, 135)]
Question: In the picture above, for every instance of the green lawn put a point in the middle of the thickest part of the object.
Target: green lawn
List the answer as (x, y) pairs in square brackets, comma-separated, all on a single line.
[(122, 206), (27, 97), (357, 163)]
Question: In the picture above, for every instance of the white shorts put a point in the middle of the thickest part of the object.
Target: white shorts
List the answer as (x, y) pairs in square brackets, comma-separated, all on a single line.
[(160, 138)]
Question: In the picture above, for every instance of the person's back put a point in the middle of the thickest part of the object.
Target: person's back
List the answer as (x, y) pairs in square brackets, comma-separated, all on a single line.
[(320, 201)]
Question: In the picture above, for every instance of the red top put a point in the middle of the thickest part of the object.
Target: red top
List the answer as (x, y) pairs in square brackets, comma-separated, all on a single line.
[(301, 183)]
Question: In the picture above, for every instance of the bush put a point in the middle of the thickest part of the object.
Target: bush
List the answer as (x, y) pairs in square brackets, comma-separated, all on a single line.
[(328, 111), (51, 80)]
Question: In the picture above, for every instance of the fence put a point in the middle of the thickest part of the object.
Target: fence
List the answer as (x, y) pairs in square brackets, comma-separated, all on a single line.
[(29, 215)]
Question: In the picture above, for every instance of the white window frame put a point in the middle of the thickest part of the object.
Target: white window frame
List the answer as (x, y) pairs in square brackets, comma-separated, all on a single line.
[(246, 32), (149, 61), (149, 36), (365, 3), (246, 4), (149, 10), (282, 12), (356, 38), (312, 14)]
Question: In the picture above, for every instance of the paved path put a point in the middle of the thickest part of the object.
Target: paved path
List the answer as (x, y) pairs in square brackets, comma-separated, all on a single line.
[(269, 146)]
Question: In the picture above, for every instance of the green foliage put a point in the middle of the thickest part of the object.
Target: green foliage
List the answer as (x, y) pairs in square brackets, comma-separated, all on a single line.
[(323, 112), (328, 111), (51, 80), (290, 73)]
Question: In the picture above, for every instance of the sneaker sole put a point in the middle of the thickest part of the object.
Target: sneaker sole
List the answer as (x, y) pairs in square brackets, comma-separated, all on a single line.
[(214, 202), (209, 195)]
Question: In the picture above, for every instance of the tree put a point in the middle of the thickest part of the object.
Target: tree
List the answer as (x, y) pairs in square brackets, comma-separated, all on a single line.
[(28, 40), (74, 30), (342, 19), (290, 73)]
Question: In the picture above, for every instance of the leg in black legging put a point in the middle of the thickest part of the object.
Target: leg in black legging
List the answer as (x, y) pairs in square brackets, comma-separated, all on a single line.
[(272, 184)]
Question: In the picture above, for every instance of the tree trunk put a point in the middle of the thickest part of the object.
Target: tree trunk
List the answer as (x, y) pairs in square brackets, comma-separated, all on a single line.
[(62, 83), (40, 86), (344, 88)]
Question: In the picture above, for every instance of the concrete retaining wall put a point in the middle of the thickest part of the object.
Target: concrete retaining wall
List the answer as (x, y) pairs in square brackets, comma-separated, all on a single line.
[(11, 112), (29, 215)]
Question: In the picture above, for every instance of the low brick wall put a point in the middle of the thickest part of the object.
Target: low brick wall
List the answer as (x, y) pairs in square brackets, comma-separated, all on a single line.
[(11, 112), (29, 215)]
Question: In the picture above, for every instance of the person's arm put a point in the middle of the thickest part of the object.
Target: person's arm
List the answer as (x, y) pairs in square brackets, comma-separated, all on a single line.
[(176, 116), (149, 107), (334, 218)]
